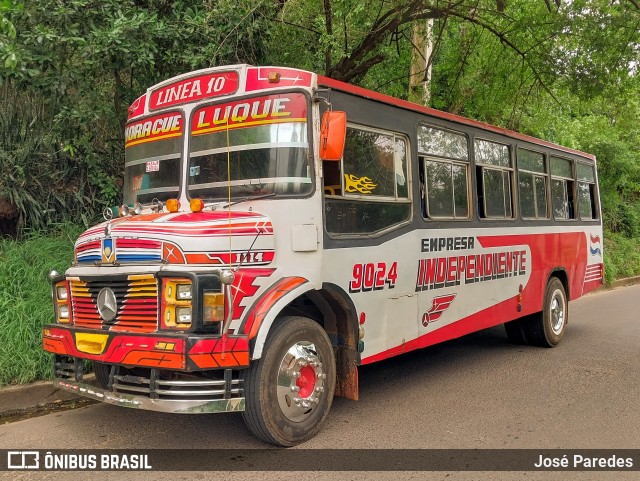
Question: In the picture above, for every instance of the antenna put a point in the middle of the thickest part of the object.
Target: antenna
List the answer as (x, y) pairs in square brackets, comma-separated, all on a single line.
[(227, 277)]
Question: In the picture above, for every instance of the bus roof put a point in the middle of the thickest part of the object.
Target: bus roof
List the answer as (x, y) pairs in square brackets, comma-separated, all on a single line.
[(387, 99)]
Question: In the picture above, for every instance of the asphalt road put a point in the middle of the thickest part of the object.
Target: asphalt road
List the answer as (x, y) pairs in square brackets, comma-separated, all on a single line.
[(474, 392)]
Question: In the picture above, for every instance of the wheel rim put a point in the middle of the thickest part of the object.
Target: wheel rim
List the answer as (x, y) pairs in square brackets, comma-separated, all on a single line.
[(301, 381), (556, 309)]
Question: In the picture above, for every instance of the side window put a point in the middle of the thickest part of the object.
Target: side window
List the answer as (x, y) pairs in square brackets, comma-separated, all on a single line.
[(444, 169), (532, 180), (374, 164), (562, 192), (494, 171), (368, 191), (586, 191)]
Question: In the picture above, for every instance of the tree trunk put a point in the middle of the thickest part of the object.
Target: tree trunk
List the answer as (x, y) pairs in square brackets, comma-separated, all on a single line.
[(420, 76)]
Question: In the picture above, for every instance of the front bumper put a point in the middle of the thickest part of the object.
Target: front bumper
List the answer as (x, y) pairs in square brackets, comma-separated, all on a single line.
[(160, 390), (179, 351), (178, 406)]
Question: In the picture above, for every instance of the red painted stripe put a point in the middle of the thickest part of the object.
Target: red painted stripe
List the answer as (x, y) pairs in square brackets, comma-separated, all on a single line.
[(489, 317), (267, 301), (87, 246), (137, 244), (568, 250)]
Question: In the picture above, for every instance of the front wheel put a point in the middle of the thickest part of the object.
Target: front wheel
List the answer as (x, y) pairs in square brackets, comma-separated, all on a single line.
[(102, 372), (289, 390)]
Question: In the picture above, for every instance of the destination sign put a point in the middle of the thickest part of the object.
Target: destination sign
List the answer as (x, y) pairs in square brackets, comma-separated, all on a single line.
[(194, 88)]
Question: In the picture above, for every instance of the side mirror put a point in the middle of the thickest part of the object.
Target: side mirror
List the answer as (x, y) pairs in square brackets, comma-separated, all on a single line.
[(333, 132)]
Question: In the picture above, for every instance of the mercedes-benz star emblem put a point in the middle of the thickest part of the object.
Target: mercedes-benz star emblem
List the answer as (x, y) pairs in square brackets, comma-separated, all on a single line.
[(107, 304)]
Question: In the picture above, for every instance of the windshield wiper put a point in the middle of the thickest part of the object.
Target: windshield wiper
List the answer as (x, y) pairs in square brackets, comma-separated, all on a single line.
[(244, 199)]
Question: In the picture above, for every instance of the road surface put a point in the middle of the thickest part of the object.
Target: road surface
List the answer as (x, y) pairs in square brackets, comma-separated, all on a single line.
[(474, 392)]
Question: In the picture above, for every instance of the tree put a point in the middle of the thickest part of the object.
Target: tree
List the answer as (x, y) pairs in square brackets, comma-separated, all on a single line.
[(540, 39), (70, 68)]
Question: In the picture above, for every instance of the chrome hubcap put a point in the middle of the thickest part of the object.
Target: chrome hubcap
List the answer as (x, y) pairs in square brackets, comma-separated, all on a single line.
[(300, 381), (556, 309)]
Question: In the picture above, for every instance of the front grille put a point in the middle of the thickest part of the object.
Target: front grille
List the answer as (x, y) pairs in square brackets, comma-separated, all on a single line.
[(136, 299)]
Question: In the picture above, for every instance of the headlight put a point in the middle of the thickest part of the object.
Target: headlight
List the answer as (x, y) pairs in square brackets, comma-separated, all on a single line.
[(61, 302), (183, 315), (176, 310), (61, 293), (183, 292), (63, 311)]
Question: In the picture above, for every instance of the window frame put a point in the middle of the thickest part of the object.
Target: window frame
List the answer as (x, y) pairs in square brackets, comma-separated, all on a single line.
[(480, 169), (592, 188), (371, 199), (565, 180), (423, 157), (450, 162), (547, 184), (187, 144), (180, 154)]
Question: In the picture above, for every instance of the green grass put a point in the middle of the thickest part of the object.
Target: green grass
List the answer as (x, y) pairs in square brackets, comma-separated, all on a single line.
[(621, 257), (25, 301)]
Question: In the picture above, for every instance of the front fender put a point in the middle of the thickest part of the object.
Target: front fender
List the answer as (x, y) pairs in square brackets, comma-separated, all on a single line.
[(265, 310)]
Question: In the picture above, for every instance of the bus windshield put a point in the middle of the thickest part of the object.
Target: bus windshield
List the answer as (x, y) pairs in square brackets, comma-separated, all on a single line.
[(152, 158), (250, 147)]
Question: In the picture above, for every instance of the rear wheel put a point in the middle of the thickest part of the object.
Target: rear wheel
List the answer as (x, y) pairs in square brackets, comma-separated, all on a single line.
[(551, 325), (289, 390), (545, 328)]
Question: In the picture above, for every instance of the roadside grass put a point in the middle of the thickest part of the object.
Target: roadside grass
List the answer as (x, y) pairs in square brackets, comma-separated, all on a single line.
[(621, 257), (25, 300)]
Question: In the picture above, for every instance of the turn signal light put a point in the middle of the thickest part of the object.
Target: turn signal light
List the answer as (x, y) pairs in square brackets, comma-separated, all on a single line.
[(213, 307), (173, 205), (273, 77), (196, 205)]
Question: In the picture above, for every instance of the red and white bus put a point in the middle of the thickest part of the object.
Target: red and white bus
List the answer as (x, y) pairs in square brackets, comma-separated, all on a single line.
[(280, 229)]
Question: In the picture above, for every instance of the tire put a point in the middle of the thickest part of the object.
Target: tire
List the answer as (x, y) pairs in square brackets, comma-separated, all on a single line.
[(102, 372), (289, 390), (547, 328)]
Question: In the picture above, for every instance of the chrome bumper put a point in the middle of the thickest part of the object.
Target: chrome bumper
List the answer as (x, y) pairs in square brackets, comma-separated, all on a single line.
[(179, 406)]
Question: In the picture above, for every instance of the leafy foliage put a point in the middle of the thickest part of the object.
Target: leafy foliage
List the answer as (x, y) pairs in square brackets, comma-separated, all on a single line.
[(70, 68)]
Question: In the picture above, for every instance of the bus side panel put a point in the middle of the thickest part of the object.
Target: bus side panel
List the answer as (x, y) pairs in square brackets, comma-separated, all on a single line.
[(482, 300)]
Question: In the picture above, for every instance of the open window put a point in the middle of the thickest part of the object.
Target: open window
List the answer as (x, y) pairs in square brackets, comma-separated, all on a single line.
[(586, 191), (562, 189)]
